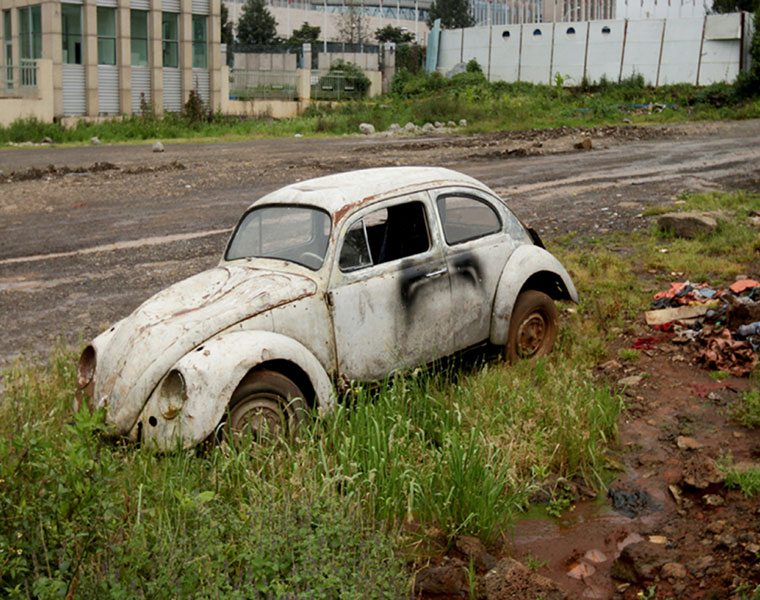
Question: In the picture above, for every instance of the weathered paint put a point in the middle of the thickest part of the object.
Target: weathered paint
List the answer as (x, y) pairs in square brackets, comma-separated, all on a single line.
[(143, 346), (211, 372), (206, 333), (525, 262)]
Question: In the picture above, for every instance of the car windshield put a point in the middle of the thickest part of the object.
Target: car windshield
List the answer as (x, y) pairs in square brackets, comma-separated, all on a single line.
[(299, 234)]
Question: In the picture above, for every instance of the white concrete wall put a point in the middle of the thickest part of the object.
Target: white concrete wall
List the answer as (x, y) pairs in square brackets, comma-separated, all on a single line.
[(693, 49), (661, 9), (569, 53)]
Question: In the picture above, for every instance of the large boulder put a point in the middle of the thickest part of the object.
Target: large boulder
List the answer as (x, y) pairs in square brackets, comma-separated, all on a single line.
[(450, 579), (511, 580), (640, 561)]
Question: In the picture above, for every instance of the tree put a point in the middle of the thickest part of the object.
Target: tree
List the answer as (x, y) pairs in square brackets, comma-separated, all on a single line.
[(306, 34), (727, 6), (353, 27), (228, 36), (454, 14), (397, 35), (256, 24)]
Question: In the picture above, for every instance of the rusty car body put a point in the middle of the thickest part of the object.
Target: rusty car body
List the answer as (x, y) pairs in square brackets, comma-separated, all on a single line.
[(347, 277)]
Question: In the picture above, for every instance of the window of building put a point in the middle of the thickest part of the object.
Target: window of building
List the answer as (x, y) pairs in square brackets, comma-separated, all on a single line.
[(71, 28), (106, 36), (200, 52), (30, 31), (170, 39), (8, 49), (139, 33)]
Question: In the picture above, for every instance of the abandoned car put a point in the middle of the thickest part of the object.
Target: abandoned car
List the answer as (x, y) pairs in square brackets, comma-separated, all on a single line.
[(343, 278)]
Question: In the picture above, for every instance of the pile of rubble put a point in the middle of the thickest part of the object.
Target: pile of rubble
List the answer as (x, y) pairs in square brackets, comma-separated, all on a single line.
[(723, 323)]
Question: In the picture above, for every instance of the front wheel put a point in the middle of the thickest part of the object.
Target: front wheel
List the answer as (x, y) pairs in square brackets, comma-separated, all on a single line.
[(267, 405), (533, 328)]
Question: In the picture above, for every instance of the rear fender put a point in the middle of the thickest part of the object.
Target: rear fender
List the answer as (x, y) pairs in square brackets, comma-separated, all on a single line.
[(211, 373), (529, 267)]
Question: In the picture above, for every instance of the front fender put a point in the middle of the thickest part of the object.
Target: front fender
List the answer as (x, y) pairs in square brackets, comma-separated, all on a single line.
[(545, 273), (211, 373)]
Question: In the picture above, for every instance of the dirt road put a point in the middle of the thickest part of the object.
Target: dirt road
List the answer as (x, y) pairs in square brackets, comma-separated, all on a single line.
[(81, 249), (82, 244)]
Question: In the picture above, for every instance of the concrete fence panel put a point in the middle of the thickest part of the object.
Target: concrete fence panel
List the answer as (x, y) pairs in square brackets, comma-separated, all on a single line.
[(643, 40), (569, 52), (535, 60), (681, 50), (451, 48), (477, 41), (505, 53), (605, 50)]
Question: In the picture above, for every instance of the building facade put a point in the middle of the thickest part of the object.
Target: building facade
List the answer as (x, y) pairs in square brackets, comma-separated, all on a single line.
[(113, 57)]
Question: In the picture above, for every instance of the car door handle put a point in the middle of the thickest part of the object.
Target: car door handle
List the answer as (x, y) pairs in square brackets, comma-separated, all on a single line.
[(437, 273)]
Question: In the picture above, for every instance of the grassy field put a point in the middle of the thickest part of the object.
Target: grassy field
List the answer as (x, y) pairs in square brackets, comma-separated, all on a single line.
[(420, 99), (392, 476)]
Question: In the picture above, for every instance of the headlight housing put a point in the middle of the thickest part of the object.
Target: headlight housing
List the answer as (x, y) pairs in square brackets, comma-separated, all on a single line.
[(172, 394), (85, 378)]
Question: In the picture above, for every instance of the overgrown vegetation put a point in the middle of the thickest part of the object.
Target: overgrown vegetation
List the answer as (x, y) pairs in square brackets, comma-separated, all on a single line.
[(422, 98), (391, 475)]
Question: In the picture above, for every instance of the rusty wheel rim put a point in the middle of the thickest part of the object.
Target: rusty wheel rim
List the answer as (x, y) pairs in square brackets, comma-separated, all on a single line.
[(532, 334), (263, 416)]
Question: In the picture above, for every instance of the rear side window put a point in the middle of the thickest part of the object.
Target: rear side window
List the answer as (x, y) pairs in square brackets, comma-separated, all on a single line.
[(384, 235), (466, 218)]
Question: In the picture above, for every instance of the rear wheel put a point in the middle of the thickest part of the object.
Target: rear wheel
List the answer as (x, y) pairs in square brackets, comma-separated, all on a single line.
[(533, 328), (266, 405)]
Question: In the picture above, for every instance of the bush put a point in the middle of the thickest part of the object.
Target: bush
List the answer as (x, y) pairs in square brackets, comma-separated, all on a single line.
[(353, 76)]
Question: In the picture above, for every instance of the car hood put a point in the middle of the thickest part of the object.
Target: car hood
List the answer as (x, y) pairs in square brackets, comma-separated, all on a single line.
[(145, 345)]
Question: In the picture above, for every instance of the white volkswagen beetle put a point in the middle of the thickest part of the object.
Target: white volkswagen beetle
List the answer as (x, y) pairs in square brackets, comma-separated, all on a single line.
[(343, 278)]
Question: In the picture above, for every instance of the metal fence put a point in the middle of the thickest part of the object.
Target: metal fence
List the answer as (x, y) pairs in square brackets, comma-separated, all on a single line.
[(334, 85), (246, 84), (19, 80)]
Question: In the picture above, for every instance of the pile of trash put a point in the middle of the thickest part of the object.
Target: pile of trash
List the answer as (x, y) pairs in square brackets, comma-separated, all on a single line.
[(725, 324)]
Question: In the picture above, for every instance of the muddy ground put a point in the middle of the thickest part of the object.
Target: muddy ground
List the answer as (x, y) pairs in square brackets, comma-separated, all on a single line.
[(87, 233)]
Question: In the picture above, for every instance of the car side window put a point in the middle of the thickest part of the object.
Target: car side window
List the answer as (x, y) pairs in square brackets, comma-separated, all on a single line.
[(384, 235), (466, 218)]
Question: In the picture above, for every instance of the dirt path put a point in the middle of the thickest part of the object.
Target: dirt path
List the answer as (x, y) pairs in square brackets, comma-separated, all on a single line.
[(81, 247)]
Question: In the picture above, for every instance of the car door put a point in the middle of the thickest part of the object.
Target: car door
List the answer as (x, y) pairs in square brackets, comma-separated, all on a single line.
[(389, 290), (477, 244)]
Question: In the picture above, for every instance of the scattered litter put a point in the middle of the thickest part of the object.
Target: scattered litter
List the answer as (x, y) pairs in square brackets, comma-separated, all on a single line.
[(724, 324)]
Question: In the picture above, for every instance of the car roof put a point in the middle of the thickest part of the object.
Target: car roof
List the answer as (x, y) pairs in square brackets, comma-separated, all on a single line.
[(341, 193)]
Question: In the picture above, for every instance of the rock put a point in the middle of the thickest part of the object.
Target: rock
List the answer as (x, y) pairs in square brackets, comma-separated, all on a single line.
[(394, 128), (713, 500), (630, 381), (46, 140), (438, 124), (511, 580), (610, 365), (473, 549), (581, 570), (700, 472), (584, 144), (411, 128), (450, 579), (698, 566), (673, 571), (639, 561), (725, 540), (158, 147), (367, 128), (715, 527), (688, 224), (428, 127), (628, 121), (463, 122), (95, 141), (452, 124), (687, 443)]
